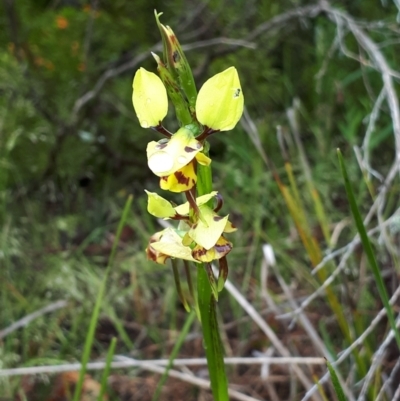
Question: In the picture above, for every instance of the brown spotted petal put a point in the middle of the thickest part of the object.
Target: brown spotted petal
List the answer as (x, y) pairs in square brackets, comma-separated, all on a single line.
[(220, 249), (167, 157), (181, 180)]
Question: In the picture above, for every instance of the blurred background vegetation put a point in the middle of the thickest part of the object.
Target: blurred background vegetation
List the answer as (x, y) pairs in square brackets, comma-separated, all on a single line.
[(71, 150)]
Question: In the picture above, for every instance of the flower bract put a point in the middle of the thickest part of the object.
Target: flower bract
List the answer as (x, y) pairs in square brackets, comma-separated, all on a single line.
[(149, 98)]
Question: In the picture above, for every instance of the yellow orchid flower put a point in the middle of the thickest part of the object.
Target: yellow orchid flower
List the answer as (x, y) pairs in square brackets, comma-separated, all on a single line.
[(204, 238), (149, 98), (220, 101)]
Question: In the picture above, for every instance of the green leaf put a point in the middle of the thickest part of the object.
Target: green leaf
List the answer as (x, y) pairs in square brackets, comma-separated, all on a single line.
[(336, 384)]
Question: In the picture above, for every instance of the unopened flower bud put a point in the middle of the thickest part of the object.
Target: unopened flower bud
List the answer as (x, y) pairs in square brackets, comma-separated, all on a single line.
[(174, 92), (177, 63)]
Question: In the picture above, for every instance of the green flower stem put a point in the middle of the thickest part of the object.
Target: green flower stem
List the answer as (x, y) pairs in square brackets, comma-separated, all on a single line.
[(208, 311)]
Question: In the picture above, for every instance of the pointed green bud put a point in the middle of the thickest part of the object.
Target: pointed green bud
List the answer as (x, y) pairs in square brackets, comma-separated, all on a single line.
[(220, 101), (149, 98), (177, 63), (174, 93)]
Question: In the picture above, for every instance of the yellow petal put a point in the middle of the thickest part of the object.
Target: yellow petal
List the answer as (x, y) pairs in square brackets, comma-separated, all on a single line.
[(220, 101), (149, 98), (168, 156), (203, 159), (229, 227), (181, 180)]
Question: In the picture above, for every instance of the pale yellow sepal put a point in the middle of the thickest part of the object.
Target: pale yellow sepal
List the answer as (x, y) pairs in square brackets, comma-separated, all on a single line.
[(149, 98), (158, 206), (220, 101), (167, 157)]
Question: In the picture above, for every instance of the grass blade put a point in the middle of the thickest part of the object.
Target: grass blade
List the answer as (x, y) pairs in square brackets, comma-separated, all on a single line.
[(174, 353), (96, 310), (106, 372), (368, 248), (336, 384)]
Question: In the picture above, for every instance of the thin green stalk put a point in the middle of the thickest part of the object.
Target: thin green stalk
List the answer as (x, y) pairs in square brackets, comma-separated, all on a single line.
[(178, 285), (96, 311), (368, 249), (185, 330), (107, 368)]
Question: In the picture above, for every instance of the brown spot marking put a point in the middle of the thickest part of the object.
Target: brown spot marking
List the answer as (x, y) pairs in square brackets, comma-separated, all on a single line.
[(150, 252), (162, 145), (165, 178), (176, 56), (198, 253), (188, 149), (193, 182), (223, 249), (194, 226), (217, 218), (181, 178)]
